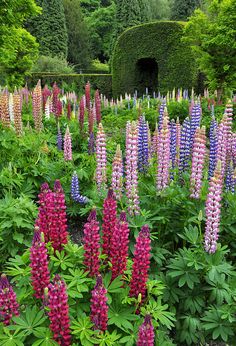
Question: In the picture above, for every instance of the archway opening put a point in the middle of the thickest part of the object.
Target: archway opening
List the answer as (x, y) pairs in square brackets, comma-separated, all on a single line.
[(147, 75)]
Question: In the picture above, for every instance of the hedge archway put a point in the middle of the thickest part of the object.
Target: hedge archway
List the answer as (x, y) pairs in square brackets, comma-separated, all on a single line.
[(147, 74), (154, 43)]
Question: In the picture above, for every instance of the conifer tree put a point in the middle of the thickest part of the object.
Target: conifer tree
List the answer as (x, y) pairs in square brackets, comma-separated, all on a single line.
[(182, 9), (49, 28), (78, 40), (130, 13)]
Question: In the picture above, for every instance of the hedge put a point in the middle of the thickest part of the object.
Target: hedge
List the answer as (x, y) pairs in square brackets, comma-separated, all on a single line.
[(77, 82), (160, 41)]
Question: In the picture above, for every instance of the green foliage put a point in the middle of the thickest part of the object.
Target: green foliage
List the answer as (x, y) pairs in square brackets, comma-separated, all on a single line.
[(18, 49), (101, 26), (164, 39), (16, 224), (182, 9), (76, 81), (211, 34), (53, 65), (49, 28), (97, 66), (130, 14), (160, 9), (78, 38), (15, 12)]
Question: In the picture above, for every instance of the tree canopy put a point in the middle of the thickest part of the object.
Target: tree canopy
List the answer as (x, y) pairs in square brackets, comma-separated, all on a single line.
[(78, 37), (182, 9), (49, 28), (211, 34), (18, 49)]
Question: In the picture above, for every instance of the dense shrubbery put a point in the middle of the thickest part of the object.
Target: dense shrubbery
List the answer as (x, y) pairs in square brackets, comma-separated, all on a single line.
[(52, 65)]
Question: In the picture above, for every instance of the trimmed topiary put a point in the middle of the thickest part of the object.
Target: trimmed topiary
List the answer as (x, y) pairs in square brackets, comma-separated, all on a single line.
[(152, 55)]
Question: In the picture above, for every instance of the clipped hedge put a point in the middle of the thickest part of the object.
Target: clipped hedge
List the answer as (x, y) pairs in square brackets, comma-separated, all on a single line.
[(103, 82), (160, 41)]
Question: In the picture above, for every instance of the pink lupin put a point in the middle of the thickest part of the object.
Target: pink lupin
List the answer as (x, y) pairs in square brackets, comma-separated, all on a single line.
[(213, 206), (198, 157), (101, 176), (67, 146), (117, 173), (163, 154)]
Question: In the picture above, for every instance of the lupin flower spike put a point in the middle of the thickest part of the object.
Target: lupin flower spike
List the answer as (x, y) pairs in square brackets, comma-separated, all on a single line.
[(92, 244), (99, 307), (8, 303), (198, 158), (75, 193), (163, 156), (213, 210), (109, 222), (40, 276), (119, 246), (138, 283), (59, 312), (67, 146), (117, 173), (37, 107), (132, 168), (101, 177), (146, 335)]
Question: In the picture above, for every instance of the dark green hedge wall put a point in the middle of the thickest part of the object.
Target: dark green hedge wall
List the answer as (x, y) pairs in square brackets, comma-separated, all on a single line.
[(103, 82), (160, 41)]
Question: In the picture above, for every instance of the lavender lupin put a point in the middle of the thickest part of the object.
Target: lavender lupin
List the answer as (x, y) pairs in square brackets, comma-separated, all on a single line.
[(173, 148), (185, 146), (213, 147), (143, 150), (161, 114), (59, 138), (75, 193), (230, 181), (91, 144), (195, 121)]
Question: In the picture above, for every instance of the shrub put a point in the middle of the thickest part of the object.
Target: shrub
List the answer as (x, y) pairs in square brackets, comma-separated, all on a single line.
[(52, 64)]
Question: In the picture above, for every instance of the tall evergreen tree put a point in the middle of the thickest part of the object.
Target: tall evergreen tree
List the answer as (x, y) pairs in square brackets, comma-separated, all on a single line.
[(130, 13), (49, 28), (182, 9), (145, 10), (78, 38)]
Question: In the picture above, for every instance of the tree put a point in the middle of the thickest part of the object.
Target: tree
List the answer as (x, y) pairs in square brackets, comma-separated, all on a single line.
[(101, 27), (99, 16), (49, 28), (212, 36), (130, 13), (18, 49), (160, 9), (78, 38), (182, 9)]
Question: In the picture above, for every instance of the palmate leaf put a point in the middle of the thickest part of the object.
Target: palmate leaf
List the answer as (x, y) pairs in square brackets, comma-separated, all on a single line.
[(219, 327), (108, 339), (159, 313), (11, 339), (44, 337), (121, 317), (29, 321), (83, 331)]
